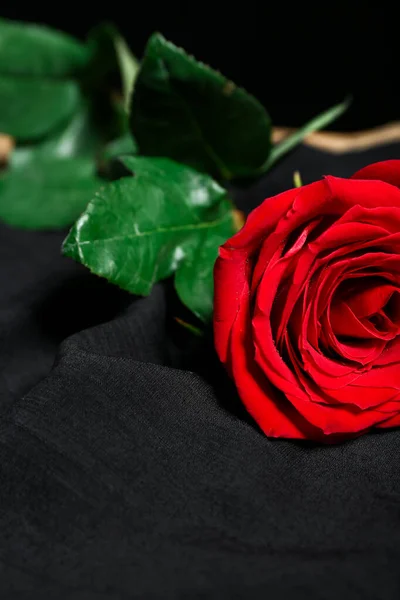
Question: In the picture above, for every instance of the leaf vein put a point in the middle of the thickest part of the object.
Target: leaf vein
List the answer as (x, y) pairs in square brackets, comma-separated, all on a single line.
[(160, 230)]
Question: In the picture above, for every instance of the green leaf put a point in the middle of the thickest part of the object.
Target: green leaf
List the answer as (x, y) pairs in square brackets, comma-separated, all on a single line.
[(298, 136), (141, 229), (46, 193), (31, 108), (111, 54), (184, 110), (34, 50), (121, 146), (129, 67), (101, 41), (111, 58), (80, 137), (194, 279)]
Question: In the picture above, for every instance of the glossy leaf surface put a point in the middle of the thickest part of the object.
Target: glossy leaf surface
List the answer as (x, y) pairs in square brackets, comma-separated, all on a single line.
[(194, 279), (141, 229)]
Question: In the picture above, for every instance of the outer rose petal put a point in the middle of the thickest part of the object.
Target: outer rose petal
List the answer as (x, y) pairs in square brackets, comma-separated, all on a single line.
[(232, 273), (232, 264), (367, 193), (262, 220), (392, 422), (387, 170), (268, 406)]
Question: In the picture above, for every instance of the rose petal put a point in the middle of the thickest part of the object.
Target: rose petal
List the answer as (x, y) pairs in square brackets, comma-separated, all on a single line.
[(368, 193), (353, 395), (334, 419), (387, 170), (393, 421), (370, 298), (262, 220), (231, 280), (389, 375), (270, 409), (391, 353), (348, 233)]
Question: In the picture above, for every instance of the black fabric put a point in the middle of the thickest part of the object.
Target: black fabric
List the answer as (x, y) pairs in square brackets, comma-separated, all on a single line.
[(129, 469)]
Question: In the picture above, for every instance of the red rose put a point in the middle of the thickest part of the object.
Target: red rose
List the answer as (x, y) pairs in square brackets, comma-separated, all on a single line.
[(307, 307)]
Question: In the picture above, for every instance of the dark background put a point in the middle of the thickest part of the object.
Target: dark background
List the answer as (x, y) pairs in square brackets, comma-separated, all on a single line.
[(297, 59)]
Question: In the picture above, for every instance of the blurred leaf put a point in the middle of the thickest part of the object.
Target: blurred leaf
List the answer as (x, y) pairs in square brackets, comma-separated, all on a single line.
[(104, 61), (46, 193), (80, 137), (298, 136), (119, 147), (129, 68), (34, 50), (141, 229), (184, 110), (31, 108), (112, 65), (60, 120), (111, 55)]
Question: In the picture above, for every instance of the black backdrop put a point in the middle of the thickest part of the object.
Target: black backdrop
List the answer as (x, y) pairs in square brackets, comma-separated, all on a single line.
[(296, 59)]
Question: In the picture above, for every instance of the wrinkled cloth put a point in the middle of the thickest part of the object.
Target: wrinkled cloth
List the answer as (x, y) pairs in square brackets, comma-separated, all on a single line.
[(129, 468)]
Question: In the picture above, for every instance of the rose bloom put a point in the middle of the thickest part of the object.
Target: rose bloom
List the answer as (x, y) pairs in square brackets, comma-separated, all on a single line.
[(307, 307)]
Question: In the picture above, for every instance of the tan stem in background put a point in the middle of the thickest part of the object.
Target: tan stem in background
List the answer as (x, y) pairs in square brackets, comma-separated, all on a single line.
[(337, 143), (6, 147)]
